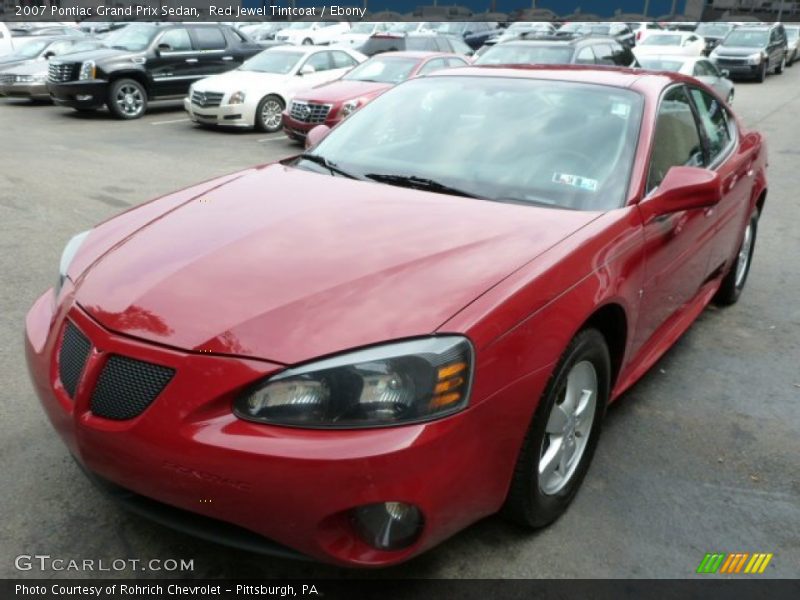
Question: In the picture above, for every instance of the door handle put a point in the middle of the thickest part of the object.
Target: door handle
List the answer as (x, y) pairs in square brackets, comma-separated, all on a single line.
[(191, 60), (227, 58)]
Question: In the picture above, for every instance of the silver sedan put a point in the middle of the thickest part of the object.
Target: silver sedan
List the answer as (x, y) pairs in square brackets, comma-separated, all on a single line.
[(698, 67)]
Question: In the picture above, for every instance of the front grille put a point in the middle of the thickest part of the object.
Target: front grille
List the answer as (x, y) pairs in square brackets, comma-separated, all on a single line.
[(127, 386), (61, 71), (6, 79), (72, 357), (207, 99), (731, 62), (307, 112)]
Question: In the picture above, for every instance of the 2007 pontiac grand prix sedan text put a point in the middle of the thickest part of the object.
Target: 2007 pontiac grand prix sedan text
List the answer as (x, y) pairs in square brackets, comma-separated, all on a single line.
[(359, 351)]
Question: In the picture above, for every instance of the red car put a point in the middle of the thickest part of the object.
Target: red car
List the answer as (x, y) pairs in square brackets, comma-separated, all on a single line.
[(332, 102), (354, 353)]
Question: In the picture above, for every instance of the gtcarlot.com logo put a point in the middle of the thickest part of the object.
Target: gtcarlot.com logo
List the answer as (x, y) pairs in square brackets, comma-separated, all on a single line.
[(45, 562), (735, 563)]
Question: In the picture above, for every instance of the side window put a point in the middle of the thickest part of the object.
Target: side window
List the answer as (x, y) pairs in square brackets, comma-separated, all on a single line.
[(700, 69), (342, 60), (605, 56), (676, 141), (432, 65), (209, 38), (585, 56), (440, 44), (320, 61), (715, 122), (177, 40)]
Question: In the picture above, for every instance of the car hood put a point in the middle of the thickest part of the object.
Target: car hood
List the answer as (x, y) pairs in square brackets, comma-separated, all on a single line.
[(31, 67), (99, 55), (737, 50), (286, 265), (239, 80), (343, 90), (8, 63)]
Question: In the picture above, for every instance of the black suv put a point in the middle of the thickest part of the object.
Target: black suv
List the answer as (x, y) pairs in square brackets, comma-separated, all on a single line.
[(752, 51), (558, 50), (427, 42), (146, 62)]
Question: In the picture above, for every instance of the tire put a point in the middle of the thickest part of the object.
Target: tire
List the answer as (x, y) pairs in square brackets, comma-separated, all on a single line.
[(265, 119), (790, 62), (127, 99), (308, 42), (762, 74), (732, 285), (537, 499), (779, 69)]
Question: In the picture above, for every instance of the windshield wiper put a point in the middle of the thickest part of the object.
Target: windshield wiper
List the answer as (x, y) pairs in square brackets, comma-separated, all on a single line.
[(324, 162), (420, 183)]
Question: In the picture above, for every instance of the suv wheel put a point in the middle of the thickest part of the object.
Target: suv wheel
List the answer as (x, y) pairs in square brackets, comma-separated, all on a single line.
[(269, 114), (762, 74), (127, 99), (779, 69)]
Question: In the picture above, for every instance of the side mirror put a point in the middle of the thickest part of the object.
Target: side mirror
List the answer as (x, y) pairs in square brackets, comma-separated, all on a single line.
[(316, 135), (48, 54), (683, 188), (164, 48), (307, 70)]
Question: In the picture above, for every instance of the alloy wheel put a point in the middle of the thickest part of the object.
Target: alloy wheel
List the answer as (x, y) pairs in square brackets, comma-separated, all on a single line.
[(271, 114), (568, 428), (130, 100), (743, 260)]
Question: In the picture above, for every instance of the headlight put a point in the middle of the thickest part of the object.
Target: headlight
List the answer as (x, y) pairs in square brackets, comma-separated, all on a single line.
[(236, 98), (348, 108), (393, 384), (754, 59), (66, 258), (88, 70)]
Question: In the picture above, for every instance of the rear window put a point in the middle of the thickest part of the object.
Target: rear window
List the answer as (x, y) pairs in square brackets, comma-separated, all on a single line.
[(375, 45), (517, 54)]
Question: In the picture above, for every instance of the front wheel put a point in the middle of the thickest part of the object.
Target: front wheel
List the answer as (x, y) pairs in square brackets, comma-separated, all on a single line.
[(560, 443), (779, 69), (762, 74), (269, 114), (127, 99), (733, 284)]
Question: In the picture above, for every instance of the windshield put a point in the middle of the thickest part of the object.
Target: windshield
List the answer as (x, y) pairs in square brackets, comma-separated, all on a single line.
[(456, 28), (792, 33), (568, 145), (134, 38), (657, 64), (662, 40), (272, 61), (383, 69), (713, 29), (362, 28), (528, 54), (29, 50), (746, 38)]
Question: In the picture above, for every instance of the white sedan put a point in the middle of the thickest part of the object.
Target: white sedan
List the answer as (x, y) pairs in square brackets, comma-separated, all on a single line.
[(255, 94), (307, 33), (675, 43), (359, 33), (698, 67)]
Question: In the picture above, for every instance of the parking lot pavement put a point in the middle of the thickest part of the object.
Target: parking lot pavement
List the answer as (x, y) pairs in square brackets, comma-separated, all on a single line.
[(702, 455)]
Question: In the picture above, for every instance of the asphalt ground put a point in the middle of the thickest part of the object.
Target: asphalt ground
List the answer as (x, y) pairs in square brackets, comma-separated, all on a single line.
[(702, 455)]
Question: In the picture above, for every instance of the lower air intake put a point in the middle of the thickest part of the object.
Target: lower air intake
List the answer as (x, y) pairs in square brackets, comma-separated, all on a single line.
[(126, 387)]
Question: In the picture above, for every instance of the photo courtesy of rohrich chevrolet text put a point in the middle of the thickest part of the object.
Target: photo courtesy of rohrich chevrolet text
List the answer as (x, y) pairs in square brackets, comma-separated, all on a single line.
[(390, 300)]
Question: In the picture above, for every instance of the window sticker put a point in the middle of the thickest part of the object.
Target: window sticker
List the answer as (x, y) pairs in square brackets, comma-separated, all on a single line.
[(584, 183), (620, 109)]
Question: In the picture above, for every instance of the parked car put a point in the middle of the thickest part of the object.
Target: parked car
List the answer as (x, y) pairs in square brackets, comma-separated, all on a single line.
[(752, 52), (307, 32), (643, 29), (676, 43), (359, 33), (359, 351), (473, 33), (146, 62), (713, 33), (263, 33), (333, 102), (255, 95), (559, 50), (518, 28), (793, 44), (423, 42), (29, 79), (698, 67), (6, 41), (621, 32), (39, 50)]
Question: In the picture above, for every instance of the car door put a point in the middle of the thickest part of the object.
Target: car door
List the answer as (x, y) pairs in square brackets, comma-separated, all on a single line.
[(677, 245), (719, 130), (213, 55), (173, 62)]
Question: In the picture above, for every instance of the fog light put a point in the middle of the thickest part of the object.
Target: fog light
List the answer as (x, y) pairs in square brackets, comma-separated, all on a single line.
[(388, 525), (83, 97)]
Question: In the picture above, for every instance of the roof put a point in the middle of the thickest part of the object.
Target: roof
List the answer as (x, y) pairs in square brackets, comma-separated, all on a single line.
[(412, 54)]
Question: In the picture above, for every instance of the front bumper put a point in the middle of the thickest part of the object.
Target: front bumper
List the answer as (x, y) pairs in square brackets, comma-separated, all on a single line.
[(293, 486), (91, 93), (298, 130), (739, 69), (34, 90), (227, 115)]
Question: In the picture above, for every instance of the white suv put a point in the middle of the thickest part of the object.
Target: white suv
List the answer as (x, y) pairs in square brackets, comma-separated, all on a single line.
[(312, 33)]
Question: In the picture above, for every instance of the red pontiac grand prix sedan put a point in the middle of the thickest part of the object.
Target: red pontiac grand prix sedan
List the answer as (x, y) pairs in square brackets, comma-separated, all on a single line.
[(354, 353), (333, 102)]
